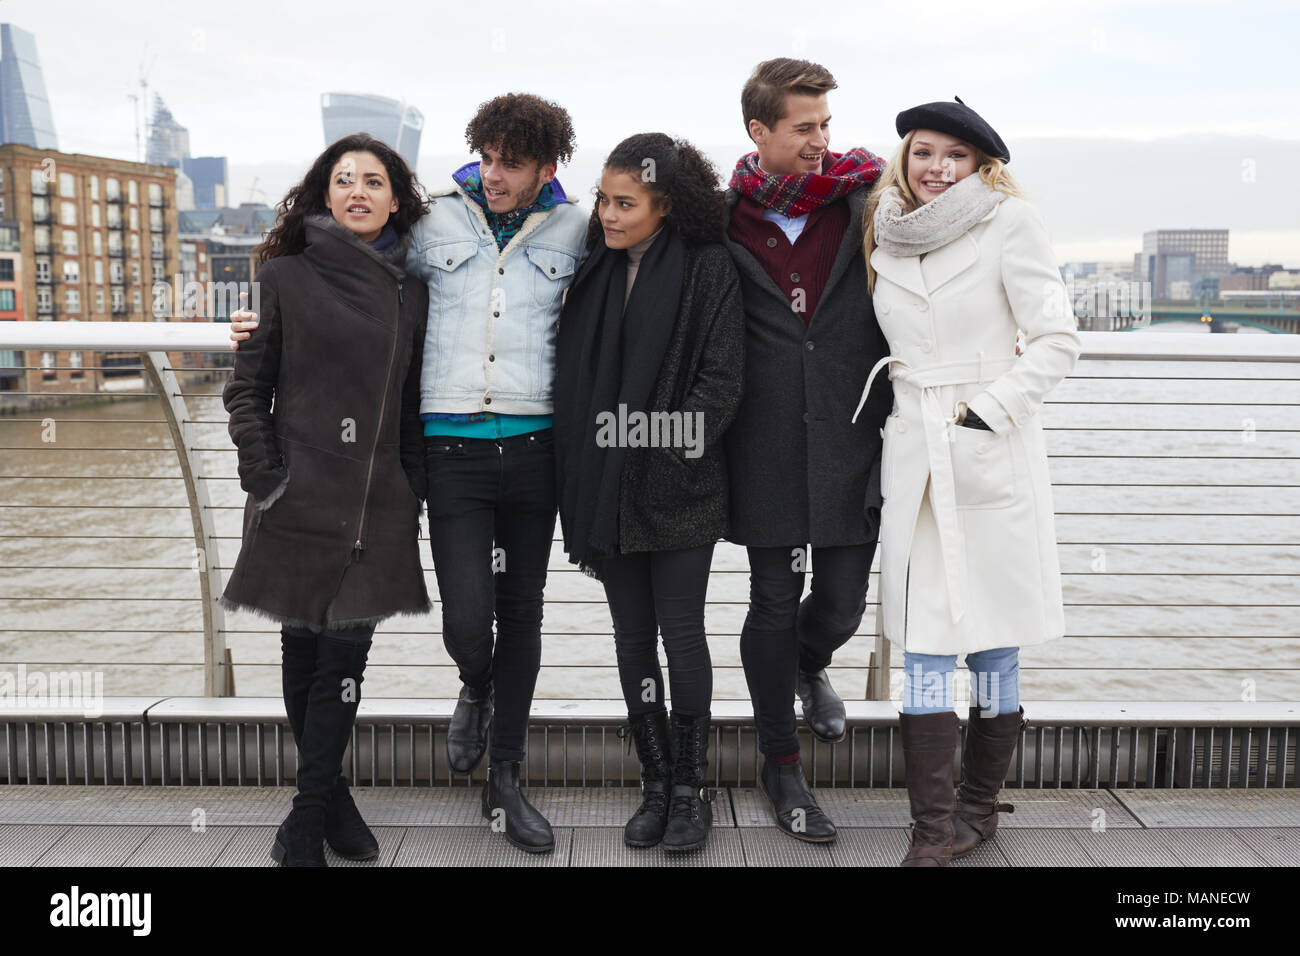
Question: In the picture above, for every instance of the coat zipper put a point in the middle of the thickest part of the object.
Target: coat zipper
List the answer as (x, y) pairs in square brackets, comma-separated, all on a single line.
[(359, 545)]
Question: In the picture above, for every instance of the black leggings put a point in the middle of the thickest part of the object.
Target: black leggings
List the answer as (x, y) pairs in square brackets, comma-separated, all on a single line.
[(661, 591), (322, 674)]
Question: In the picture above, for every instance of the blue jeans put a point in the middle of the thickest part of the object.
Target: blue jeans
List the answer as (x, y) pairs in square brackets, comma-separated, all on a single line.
[(995, 681)]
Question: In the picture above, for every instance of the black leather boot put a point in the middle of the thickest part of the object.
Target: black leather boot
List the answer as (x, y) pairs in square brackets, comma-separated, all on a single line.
[(796, 812), (345, 831), (990, 743), (510, 812), (823, 709), (929, 742), (467, 732), (650, 733), (689, 814), (300, 841)]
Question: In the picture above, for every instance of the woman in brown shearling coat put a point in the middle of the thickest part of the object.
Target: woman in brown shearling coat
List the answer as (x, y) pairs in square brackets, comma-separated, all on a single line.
[(324, 409)]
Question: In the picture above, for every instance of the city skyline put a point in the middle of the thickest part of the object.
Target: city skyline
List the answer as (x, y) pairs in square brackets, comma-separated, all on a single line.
[(1127, 82)]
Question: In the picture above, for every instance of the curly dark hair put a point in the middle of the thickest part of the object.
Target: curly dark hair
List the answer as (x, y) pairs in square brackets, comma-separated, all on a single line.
[(288, 236), (682, 174), (523, 126)]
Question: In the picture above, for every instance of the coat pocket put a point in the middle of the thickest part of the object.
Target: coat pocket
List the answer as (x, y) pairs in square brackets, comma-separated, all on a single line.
[(983, 468), (887, 452)]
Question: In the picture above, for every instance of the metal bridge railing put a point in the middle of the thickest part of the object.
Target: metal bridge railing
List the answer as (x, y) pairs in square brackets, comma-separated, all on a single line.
[(1174, 460)]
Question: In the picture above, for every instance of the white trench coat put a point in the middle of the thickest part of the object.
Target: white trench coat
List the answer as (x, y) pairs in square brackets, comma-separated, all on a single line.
[(968, 556)]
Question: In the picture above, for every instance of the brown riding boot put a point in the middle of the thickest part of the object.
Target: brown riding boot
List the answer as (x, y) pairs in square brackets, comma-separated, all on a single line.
[(929, 741), (990, 744)]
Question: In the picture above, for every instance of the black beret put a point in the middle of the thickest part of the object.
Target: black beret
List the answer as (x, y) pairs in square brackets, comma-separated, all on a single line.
[(955, 119)]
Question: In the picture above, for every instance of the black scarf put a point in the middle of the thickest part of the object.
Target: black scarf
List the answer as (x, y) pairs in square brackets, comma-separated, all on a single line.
[(607, 356)]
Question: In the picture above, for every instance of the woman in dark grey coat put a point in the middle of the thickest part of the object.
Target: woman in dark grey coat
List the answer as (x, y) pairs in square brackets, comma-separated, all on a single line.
[(324, 409), (649, 370)]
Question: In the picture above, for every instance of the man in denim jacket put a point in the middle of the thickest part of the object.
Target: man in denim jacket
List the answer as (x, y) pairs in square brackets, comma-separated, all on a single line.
[(497, 249)]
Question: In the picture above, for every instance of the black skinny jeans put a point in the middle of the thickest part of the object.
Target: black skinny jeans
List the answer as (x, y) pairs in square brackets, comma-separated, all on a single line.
[(491, 519), (782, 635), (661, 591)]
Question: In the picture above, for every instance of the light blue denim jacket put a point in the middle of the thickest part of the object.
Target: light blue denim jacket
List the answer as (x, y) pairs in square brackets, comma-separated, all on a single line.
[(490, 340)]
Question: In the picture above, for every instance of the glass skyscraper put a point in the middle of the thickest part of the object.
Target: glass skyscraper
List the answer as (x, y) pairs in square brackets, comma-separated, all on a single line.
[(24, 108), (209, 175), (390, 121)]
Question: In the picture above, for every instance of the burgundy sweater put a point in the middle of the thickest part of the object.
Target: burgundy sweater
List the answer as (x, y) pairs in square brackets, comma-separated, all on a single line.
[(805, 265)]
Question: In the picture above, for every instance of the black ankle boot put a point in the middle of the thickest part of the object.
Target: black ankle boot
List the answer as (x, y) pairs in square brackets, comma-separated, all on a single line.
[(689, 814), (796, 812), (509, 810), (823, 710), (650, 733), (345, 831), (300, 841), (467, 732)]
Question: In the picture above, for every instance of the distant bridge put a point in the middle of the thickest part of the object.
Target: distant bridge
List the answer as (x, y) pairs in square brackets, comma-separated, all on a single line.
[(1219, 317)]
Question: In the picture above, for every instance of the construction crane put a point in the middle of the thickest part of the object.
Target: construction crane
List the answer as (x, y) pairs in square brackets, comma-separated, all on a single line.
[(140, 104)]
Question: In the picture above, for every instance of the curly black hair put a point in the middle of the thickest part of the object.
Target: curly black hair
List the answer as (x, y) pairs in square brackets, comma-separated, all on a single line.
[(682, 174), (523, 126), (288, 236)]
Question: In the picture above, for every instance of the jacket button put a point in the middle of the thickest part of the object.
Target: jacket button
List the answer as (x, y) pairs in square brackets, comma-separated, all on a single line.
[(552, 270), (771, 243), (926, 346), (794, 277), (902, 425), (807, 417), (501, 272), (923, 306), (808, 346), (448, 262), (981, 449), (883, 308), (487, 401), (496, 315), (492, 358)]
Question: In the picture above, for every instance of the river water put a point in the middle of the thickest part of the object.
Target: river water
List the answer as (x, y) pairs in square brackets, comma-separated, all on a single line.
[(1175, 485)]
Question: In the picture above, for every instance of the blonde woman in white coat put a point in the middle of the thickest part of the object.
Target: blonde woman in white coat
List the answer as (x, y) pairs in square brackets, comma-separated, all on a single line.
[(959, 264)]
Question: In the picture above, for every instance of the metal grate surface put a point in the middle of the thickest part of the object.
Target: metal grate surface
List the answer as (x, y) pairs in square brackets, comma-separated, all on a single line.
[(603, 846), (94, 846), (21, 845), (181, 846), (475, 846), (1119, 847), (1213, 808)]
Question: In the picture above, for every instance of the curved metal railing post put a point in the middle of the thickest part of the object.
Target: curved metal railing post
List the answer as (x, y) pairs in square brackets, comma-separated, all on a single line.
[(215, 679)]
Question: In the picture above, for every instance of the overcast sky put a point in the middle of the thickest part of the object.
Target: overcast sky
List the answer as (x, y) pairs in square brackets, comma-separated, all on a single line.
[(1134, 89)]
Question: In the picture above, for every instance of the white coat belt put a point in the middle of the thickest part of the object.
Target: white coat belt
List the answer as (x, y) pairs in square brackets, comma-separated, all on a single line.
[(943, 494)]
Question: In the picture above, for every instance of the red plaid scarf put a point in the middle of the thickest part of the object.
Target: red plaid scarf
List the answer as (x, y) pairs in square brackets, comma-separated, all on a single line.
[(797, 193)]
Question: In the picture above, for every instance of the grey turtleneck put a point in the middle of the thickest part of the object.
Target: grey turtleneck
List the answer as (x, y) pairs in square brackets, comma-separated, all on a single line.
[(634, 254)]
